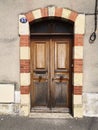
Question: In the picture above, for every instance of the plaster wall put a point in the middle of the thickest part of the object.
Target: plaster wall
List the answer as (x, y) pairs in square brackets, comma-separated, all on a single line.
[(9, 39)]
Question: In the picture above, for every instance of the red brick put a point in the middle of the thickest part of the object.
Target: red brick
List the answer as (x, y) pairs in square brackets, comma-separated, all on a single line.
[(78, 66), (25, 89), (77, 90), (58, 12), (24, 40), (24, 66), (73, 16), (44, 12), (78, 40), (29, 16)]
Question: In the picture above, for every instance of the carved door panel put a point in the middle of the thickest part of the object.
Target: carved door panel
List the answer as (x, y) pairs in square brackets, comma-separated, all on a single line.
[(50, 72), (60, 72), (39, 72)]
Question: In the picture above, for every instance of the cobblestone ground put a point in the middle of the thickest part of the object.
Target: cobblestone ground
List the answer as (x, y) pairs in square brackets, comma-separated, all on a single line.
[(24, 123)]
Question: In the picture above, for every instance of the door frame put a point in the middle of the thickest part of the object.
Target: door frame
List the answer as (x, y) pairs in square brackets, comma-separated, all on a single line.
[(24, 33)]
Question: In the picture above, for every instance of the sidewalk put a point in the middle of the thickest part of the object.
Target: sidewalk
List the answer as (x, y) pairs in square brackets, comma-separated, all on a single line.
[(25, 123)]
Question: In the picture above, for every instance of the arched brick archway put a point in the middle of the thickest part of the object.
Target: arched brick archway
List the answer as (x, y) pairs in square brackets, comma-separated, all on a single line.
[(24, 33)]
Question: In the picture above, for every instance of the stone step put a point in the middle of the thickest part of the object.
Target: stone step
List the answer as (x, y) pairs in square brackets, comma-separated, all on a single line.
[(50, 115)]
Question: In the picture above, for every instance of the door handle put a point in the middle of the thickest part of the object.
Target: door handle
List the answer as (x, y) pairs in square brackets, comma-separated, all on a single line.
[(40, 79), (60, 79)]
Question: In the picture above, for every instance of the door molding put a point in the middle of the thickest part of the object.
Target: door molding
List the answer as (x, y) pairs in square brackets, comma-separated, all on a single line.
[(24, 33)]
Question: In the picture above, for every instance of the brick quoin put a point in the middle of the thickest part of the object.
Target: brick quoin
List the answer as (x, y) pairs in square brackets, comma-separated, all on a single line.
[(78, 40), (78, 66), (24, 66), (73, 16), (24, 40), (44, 12), (29, 16), (77, 90), (58, 12), (25, 89)]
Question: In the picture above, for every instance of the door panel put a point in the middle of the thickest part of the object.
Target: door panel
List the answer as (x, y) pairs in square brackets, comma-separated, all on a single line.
[(41, 93), (40, 55), (61, 91), (61, 72), (50, 72), (61, 55), (39, 72)]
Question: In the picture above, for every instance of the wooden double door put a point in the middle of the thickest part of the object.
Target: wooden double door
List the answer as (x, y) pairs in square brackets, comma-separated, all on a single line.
[(51, 72)]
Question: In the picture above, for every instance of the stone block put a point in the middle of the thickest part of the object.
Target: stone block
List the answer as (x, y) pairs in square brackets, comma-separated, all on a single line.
[(78, 79), (78, 111), (80, 24), (37, 14), (24, 53), (66, 13), (77, 99), (78, 52), (25, 79), (51, 11), (7, 93), (25, 110), (23, 27), (25, 99)]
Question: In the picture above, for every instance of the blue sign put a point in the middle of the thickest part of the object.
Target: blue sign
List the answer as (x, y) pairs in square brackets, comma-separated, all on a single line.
[(23, 20)]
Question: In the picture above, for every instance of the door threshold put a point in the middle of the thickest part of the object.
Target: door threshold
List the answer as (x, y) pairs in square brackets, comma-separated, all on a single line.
[(44, 112), (50, 115), (49, 110)]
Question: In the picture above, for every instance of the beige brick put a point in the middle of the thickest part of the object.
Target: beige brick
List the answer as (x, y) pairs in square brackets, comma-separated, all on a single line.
[(78, 79), (37, 14), (25, 110), (78, 112), (66, 13), (51, 11), (25, 79), (80, 24), (78, 52), (77, 99), (25, 99), (24, 53), (23, 27)]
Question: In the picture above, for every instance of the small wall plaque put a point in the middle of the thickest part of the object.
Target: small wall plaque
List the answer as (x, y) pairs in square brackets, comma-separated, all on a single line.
[(23, 20)]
